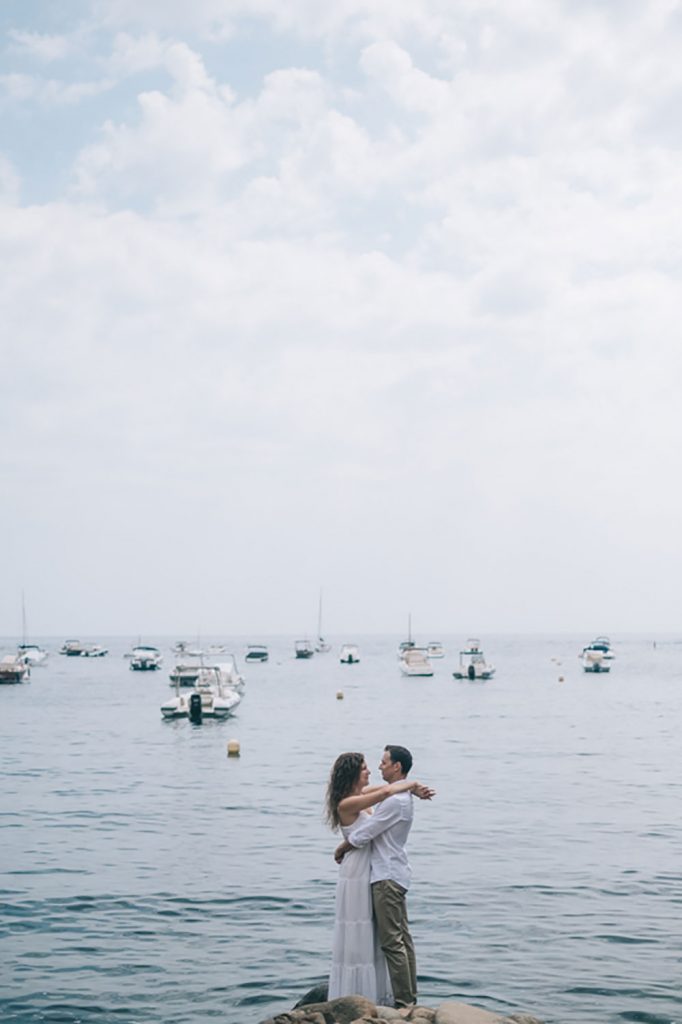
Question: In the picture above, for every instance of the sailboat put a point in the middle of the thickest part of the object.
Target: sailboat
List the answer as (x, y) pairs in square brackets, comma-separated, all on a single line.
[(31, 654), (322, 647), (409, 644)]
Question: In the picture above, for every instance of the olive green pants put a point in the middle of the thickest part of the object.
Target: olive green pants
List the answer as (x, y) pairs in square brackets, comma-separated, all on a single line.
[(390, 912)]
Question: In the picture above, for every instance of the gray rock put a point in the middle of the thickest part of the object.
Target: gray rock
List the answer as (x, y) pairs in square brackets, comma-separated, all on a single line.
[(318, 994), (462, 1013)]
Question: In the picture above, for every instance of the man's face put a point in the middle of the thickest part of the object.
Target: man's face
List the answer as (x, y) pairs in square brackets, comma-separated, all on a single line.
[(390, 770)]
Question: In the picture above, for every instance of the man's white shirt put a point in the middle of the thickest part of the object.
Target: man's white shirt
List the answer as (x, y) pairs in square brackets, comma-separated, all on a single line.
[(387, 830)]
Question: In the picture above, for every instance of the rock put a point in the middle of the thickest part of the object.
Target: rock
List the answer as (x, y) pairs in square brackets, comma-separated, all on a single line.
[(423, 1014), (388, 1013), (462, 1013), (336, 1011), (318, 994)]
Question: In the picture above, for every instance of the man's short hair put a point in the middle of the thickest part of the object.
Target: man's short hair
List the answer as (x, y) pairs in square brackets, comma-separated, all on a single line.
[(401, 755)]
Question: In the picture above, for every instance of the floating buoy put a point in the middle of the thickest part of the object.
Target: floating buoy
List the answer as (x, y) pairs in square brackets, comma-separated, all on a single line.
[(561, 679), (339, 694), (233, 748)]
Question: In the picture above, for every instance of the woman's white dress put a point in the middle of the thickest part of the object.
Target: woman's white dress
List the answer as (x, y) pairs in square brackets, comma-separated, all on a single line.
[(358, 964)]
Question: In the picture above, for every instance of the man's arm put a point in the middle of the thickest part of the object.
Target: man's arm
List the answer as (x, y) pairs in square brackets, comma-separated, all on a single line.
[(387, 813)]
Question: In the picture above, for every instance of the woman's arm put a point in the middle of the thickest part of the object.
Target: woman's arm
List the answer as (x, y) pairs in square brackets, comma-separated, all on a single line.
[(350, 806)]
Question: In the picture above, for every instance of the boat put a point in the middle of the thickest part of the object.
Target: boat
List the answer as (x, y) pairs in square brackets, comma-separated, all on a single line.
[(72, 648), (14, 669), (597, 656), (94, 651), (33, 654), (256, 652), (304, 649), (144, 658), (409, 644), (472, 663), (77, 649), (189, 673), (210, 698), (350, 654), (216, 649), (414, 662), (435, 649), (321, 647)]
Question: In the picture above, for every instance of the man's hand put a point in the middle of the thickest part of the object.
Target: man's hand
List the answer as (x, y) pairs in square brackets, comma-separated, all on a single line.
[(341, 851), (424, 792)]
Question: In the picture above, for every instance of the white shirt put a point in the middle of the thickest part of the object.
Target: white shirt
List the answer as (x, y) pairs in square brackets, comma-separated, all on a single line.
[(387, 830)]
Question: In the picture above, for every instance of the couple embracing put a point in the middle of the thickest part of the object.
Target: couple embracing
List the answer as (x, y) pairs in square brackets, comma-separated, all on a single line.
[(372, 951)]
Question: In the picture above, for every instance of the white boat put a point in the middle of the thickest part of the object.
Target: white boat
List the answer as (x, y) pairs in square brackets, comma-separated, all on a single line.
[(304, 649), (33, 654), (472, 663), (189, 673), (597, 656), (216, 649), (14, 669), (144, 658), (409, 644), (350, 655), (414, 662), (94, 651), (72, 648), (435, 649), (210, 698), (256, 652)]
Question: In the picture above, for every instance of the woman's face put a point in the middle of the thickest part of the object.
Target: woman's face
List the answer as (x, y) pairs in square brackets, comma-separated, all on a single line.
[(363, 778)]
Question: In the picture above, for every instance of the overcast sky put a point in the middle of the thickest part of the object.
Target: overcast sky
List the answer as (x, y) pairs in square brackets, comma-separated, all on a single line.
[(379, 296)]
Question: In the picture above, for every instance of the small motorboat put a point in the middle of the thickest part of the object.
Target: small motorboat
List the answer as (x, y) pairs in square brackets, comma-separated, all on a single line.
[(304, 649), (435, 649), (94, 651), (597, 656), (350, 654), (144, 658), (186, 672), (472, 663), (256, 652), (210, 698), (14, 669), (33, 654), (72, 648), (322, 647), (414, 662)]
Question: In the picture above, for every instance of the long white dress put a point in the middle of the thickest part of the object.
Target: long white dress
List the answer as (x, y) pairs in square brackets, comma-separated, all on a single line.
[(358, 964)]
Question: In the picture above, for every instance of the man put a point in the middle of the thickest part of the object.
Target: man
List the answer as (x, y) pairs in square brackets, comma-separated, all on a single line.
[(387, 830)]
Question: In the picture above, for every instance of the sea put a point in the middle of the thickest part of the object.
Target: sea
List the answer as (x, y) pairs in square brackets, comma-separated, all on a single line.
[(147, 877)]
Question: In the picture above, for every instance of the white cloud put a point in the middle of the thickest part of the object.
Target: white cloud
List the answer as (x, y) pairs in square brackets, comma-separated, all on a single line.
[(423, 285)]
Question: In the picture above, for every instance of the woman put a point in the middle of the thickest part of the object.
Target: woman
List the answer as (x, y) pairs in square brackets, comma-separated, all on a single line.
[(358, 964)]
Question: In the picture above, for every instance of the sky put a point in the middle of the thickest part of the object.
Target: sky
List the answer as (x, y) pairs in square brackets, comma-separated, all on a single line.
[(375, 298)]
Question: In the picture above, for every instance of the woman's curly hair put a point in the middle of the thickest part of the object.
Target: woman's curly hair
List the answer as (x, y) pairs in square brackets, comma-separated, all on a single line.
[(342, 780)]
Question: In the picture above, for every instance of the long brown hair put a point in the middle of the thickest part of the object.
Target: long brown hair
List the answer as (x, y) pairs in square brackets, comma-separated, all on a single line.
[(342, 780)]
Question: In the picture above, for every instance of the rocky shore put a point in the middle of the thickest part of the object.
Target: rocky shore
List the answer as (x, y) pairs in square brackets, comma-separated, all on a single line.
[(357, 1010)]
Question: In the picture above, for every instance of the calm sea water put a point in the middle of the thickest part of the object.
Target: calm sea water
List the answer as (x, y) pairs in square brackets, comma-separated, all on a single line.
[(146, 877)]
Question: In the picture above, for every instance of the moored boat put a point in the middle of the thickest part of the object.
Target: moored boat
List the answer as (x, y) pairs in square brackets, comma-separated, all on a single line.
[(33, 654), (14, 669), (472, 663), (256, 652), (350, 655), (303, 649), (145, 658), (210, 698), (414, 662)]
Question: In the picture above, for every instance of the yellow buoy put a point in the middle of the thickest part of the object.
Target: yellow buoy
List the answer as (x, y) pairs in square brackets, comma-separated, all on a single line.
[(339, 694), (233, 748)]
